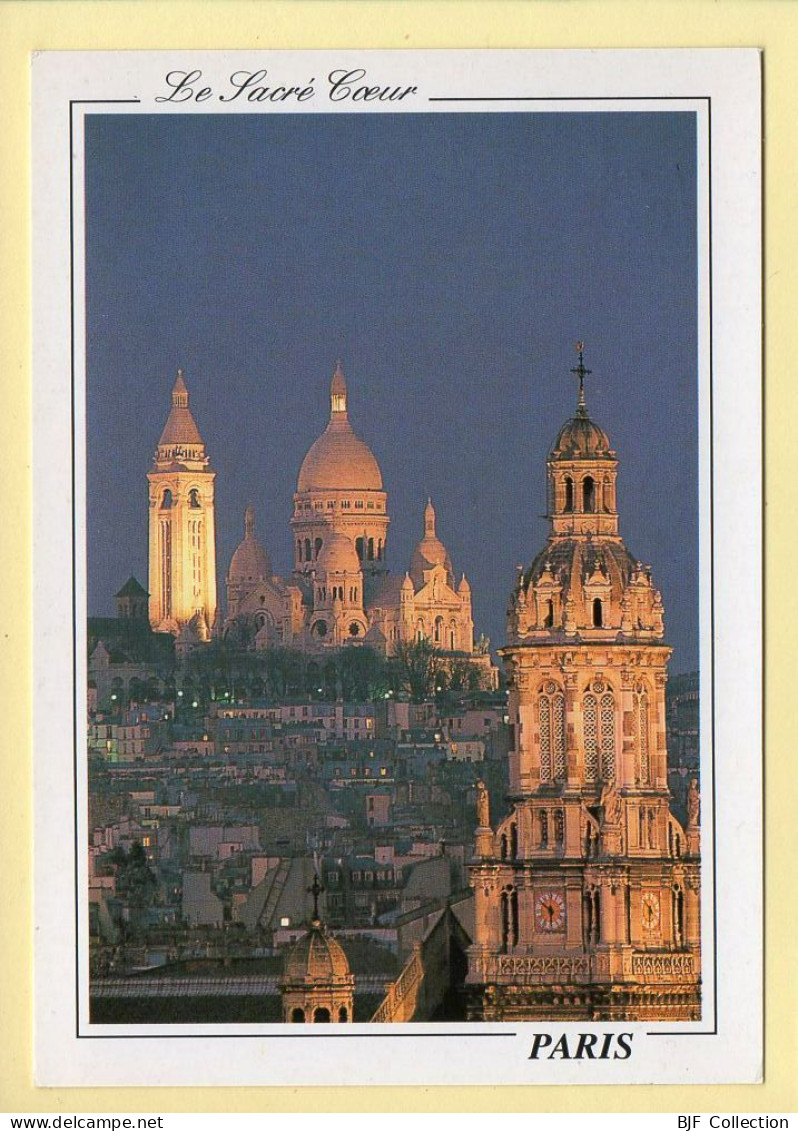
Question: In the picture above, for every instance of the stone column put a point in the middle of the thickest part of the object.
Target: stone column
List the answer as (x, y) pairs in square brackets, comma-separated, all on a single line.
[(636, 912), (659, 749), (692, 909), (625, 773), (573, 915)]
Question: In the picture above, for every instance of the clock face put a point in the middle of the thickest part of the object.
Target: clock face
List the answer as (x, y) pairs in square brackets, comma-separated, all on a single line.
[(549, 911), (650, 910)]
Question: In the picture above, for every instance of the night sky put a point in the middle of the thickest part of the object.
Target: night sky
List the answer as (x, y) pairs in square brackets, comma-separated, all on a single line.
[(451, 261)]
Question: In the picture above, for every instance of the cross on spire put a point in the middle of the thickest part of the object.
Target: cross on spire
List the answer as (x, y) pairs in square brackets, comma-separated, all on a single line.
[(315, 890), (581, 372)]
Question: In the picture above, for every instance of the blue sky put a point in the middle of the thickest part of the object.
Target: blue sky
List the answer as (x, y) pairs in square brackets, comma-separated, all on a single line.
[(451, 261)]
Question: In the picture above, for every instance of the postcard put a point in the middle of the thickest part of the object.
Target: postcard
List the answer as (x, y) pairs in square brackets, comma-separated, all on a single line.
[(397, 480)]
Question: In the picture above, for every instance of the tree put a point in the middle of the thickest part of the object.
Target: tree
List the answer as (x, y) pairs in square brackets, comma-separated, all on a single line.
[(418, 669)]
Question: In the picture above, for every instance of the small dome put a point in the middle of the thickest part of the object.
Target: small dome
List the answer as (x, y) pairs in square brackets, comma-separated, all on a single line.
[(316, 957), (580, 438), (430, 551), (339, 460), (250, 561), (338, 555)]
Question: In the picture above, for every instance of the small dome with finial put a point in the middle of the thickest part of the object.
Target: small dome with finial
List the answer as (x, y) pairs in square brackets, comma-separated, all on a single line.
[(580, 437), (316, 957), (250, 561), (430, 551)]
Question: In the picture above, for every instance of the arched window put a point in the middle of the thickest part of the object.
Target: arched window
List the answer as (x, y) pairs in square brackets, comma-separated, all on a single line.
[(588, 494), (590, 737), (551, 709), (438, 628), (569, 494), (320, 628), (194, 499), (307, 549), (342, 1014), (503, 848), (166, 500), (677, 915), (371, 549), (317, 545), (548, 619), (359, 544), (643, 752), (297, 1016), (321, 1016), (607, 737), (452, 637), (379, 550), (513, 841), (598, 613), (509, 918), (420, 633), (299, 549)]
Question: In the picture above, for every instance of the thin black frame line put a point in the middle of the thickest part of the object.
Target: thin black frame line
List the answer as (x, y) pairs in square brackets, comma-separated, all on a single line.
[(279, 1036), (573, 98), (713, 1032), (618, 98), (76, 102)]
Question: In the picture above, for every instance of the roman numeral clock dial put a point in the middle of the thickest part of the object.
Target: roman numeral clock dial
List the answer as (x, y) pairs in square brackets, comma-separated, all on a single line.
[(549, 911)]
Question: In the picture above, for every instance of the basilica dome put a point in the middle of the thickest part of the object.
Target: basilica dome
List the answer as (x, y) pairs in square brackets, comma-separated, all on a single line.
[(316, 957), (339, 460), (250, 561)]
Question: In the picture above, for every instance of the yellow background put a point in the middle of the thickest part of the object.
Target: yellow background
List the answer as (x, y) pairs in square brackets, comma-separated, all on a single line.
[(773, 26)]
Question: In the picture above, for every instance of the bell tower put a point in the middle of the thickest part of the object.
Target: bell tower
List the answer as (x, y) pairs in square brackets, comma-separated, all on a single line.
[(587, 893), (182, 537)]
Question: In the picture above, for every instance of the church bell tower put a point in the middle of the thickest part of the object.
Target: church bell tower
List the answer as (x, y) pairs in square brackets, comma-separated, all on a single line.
[(182, 537), (587, 893)]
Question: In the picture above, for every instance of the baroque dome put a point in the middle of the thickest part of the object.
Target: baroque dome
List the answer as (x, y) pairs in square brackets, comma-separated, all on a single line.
[(338, 555), (566, 560), (581, 438), (316, 957), (338, 459), (250, 561)]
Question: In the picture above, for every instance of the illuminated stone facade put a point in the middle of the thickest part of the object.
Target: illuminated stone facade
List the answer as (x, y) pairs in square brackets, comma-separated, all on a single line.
[(182, 545), (587, 894)]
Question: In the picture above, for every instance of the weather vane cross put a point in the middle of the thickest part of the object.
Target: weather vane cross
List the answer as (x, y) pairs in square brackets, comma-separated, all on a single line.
[(315, 890), (581, 372)]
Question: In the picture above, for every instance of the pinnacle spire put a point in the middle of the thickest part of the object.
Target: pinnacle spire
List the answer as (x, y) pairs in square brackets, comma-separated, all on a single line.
[(338, 391), (180, 391), (249, 522), (581, 372), (429, 519)]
